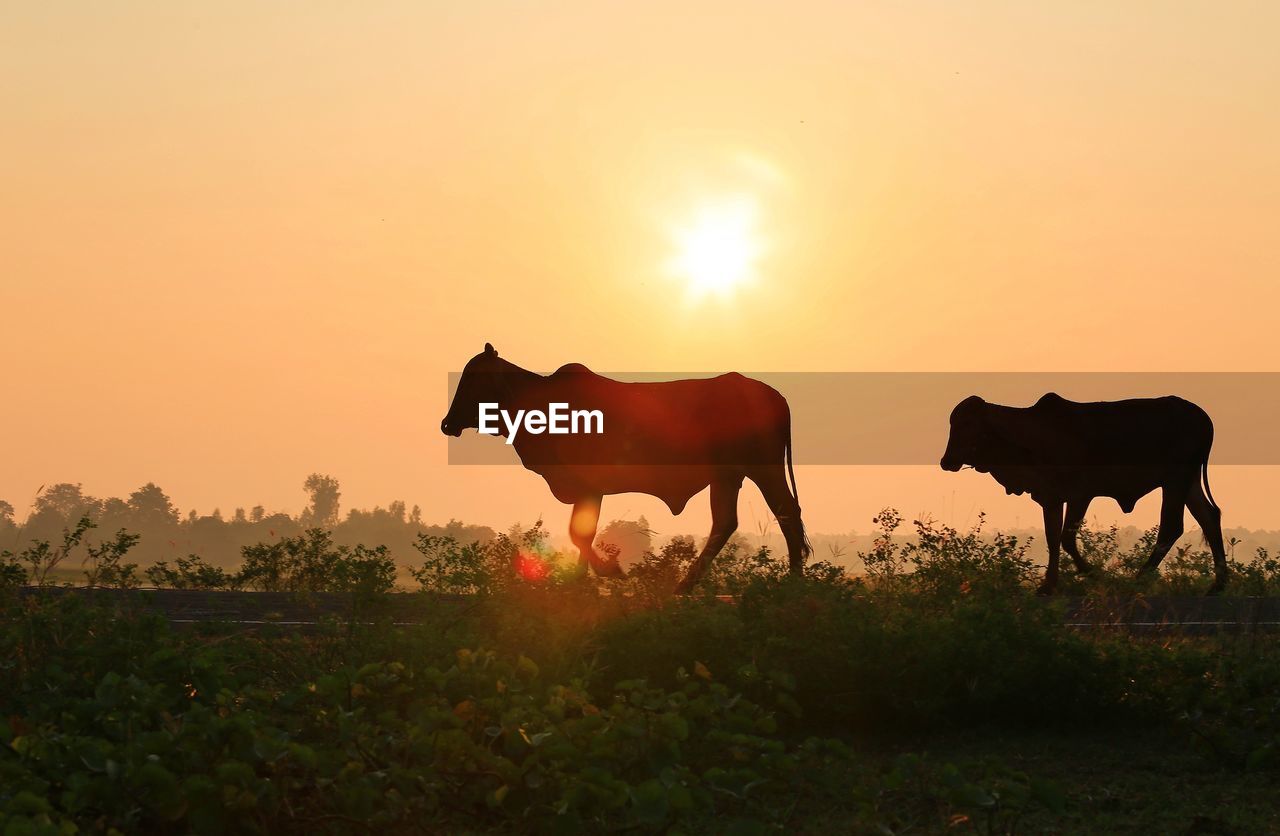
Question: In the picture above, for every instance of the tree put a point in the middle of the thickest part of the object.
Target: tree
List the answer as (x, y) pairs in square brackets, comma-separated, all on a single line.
[(630, 538), (322, 512), (151, 508), (67, 501), (7, 524)]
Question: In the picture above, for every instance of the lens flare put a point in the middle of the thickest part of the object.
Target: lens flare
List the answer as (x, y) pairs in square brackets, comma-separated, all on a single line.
[(532, 567)]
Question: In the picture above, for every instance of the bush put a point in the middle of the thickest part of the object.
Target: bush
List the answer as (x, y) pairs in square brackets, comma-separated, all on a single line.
[(1236, 718), (311, 562), (105, 566), (192, 572), (487, 568), (159, 734), (42, 557), (942, 561)]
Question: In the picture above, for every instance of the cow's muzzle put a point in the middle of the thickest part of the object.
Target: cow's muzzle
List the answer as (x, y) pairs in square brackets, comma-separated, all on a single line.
[(449, 429), (951, 465)]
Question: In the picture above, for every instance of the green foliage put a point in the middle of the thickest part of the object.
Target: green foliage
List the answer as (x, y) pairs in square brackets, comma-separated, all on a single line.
[(105, 566), (452, 567), (942, 560), (656, 574), (41, 557), (161, 734), (311, 562), (1260, 576), (191, 572), (12, 573), (1236, 720), (917, 794), (544, 701)]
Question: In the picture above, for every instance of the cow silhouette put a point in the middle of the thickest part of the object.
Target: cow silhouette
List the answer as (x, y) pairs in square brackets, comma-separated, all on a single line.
[(1066, 454), (669, 439)]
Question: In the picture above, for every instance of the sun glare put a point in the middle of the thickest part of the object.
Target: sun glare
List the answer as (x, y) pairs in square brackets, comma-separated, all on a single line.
[(717, 250)]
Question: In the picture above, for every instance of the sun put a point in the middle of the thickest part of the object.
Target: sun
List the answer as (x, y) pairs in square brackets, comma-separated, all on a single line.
[(717, 250)]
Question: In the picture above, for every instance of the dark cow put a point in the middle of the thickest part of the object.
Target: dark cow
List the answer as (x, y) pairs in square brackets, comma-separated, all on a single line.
[(668, 440), (1064, 454)]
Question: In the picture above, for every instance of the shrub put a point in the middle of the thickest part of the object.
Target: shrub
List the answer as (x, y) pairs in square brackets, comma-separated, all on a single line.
[(1235, 717), (943, 561), (311, 562), (191, 572), (41, 557), (160, 734), (104, 564)]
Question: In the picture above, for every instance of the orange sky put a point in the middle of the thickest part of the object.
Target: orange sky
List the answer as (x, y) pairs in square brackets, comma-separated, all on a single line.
[(242, 242)]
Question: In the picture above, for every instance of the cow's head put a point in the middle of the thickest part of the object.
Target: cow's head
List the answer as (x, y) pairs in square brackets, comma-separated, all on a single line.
[(483, 381), (971, 440)]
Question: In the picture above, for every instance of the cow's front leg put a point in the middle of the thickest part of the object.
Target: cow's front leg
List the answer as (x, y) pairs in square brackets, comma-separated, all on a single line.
[(1053, 512), (582, 530), (724, 521)]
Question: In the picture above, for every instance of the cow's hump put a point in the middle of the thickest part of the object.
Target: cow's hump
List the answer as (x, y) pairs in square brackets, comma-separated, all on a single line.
[(1049, 400), (573, 368)]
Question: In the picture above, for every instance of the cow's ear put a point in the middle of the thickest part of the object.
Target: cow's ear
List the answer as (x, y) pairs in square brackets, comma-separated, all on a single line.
[(489, 349)]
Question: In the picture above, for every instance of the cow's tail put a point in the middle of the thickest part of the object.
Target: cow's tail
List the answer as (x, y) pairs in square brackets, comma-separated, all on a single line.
[(807, 548), (1204, 470), (1204, 477)]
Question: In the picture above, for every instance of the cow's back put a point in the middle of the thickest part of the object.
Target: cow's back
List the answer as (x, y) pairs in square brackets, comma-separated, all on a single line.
[(667, 438), (1138, 431), (1121, 449)]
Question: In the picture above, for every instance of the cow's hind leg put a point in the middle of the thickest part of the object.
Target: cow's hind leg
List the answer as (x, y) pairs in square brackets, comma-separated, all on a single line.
[(1173, 499), (772, 482), (1053, 539), (582, 530), (1076, 509), (1209, 516), (724, 521)]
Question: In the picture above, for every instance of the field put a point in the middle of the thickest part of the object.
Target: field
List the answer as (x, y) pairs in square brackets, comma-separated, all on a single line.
[(932, 693)]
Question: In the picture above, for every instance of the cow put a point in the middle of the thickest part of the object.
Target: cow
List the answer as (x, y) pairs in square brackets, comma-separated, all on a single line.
[(1066, 454), (667, 439)]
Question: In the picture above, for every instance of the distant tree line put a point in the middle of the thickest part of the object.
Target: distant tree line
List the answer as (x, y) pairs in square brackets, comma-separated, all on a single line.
[(165, 534)]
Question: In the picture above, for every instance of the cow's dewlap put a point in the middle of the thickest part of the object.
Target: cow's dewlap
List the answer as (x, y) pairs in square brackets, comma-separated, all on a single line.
[(558, 419)]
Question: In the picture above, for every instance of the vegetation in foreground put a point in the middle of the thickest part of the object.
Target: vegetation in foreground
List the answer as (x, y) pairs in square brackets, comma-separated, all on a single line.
[(936, 694)]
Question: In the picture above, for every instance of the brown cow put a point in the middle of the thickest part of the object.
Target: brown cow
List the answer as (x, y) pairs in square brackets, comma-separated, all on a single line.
[(668, 440), (1065, 453)]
